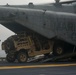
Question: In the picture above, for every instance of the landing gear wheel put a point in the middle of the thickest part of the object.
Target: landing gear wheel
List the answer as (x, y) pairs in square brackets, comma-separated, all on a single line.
[(58, 50), (22, 57), (10, 58)]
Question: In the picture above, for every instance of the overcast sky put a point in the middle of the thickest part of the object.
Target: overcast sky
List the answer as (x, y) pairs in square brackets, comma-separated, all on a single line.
[(4, 32), (24, 1)]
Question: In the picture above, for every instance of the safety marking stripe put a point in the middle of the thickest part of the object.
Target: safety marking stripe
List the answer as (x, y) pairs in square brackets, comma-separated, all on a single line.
[(36, 66)]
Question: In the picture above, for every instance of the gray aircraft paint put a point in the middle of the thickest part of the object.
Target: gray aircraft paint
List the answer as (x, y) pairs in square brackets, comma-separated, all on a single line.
[(51, 24), (48, 20)]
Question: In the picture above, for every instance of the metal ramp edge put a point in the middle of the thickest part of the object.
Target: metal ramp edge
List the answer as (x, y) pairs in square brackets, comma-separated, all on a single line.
[(56, 58)]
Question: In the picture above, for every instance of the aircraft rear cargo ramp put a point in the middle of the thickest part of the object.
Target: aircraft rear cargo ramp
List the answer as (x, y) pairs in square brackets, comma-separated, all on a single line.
[(51, 24)]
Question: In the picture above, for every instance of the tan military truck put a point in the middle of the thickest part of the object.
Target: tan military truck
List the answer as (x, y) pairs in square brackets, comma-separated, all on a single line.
[(21, 47)]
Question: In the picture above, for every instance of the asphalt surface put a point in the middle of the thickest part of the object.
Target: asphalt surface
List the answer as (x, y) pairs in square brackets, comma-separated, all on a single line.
[(51, 68)]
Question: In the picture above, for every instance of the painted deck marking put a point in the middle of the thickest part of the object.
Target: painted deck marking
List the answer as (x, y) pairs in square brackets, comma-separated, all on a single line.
[(37, 66)]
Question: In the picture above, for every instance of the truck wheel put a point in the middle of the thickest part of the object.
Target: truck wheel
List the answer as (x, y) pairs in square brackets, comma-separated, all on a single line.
[(58, 50), (22, 57), (10, 58), (9, 45)]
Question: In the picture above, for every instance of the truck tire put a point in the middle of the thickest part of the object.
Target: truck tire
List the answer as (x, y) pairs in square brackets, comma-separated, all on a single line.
[(58, 49), (9, 45), (10, 58), (22, 57)]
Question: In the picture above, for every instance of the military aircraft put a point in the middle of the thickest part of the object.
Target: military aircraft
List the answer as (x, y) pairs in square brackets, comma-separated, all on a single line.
[(54, 22), (67, 7)]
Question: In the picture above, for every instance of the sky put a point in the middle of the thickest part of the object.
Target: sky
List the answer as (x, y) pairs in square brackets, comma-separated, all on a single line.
[(24, 1), (2, 2), (4, 32)]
